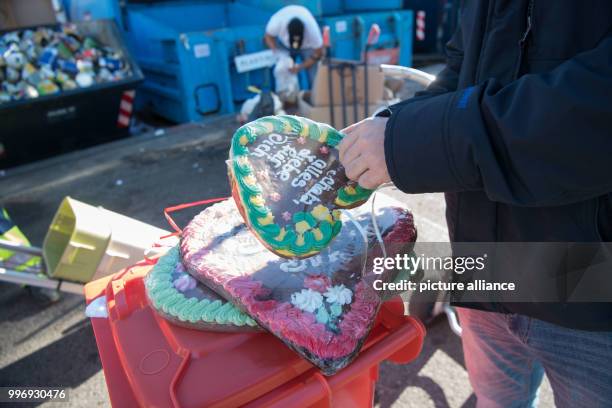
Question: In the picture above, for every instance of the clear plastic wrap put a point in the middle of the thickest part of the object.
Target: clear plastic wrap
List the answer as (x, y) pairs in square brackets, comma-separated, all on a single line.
[(322, 307)]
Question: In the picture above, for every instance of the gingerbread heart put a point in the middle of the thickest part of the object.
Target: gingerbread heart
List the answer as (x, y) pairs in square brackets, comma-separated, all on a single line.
[(323, 307), (178, 297), (289, 185)]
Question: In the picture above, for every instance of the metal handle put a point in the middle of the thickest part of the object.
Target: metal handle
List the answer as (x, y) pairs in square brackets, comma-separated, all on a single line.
[(13, 246), (415, 75)]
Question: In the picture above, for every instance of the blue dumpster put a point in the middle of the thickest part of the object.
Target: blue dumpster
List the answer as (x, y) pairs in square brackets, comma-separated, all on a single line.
[(187, 52), (188, 49)]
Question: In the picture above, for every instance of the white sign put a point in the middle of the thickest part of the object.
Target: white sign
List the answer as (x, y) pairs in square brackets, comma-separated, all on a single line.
[(201, 50), (255, 60), (341, 26)]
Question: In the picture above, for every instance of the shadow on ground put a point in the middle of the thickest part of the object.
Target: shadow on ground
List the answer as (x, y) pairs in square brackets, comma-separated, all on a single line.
[(67, 362), (412, 385)]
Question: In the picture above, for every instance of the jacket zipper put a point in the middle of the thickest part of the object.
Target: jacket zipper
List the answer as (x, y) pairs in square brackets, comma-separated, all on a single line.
[(523, 40), (490, 8)]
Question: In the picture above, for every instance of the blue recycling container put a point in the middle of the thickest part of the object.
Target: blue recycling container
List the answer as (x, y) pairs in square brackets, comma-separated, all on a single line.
[(187, 52), (188, 49)]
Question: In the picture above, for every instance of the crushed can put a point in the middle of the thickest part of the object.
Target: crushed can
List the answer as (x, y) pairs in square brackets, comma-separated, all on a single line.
[(63, 51), (68, 85), (11, 38), (90, 43), (12, 75), (72, 43), (47, 87), (61, 77), (46, 72), (90, 54), (48, 56), (14, 58), (84, 79), (105, 75), (67, 66), (35, 78), (31, 92), (84, 65), (27, 71), (111, 64)]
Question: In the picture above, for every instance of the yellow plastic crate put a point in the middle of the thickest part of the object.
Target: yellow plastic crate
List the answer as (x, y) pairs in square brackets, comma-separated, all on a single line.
[(75, 242), (84, 241)]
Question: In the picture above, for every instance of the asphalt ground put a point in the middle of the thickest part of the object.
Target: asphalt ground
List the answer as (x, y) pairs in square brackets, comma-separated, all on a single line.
[(54, 345)]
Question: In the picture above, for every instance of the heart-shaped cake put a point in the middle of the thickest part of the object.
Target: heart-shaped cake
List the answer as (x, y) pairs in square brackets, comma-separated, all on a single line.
[(288, 183), (178, 297), (322, 307)]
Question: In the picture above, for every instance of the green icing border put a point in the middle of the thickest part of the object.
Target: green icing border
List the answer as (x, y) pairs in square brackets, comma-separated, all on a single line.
[(347, 197), (165, 297)]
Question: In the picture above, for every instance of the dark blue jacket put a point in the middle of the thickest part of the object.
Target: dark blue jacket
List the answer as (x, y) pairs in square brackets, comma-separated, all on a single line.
[(517, 131)]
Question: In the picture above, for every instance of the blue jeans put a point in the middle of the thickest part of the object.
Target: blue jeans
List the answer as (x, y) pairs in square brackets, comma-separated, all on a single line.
[(507, 355)]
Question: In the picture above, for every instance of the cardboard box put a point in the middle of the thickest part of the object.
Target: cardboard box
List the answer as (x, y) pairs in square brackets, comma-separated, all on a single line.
[(320, 87), (322, 113), (25, 13)]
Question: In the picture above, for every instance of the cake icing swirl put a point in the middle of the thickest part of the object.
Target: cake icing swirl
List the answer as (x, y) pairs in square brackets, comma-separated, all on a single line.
[(171, 290)]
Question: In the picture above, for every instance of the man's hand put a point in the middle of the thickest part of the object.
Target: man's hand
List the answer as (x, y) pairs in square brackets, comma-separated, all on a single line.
[(295, 68), (362, 152)]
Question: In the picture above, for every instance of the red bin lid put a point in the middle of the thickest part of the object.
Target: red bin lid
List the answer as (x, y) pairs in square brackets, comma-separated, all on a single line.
[(151, 362)]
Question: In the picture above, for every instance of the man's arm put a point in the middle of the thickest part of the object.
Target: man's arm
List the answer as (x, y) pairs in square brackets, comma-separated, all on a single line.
[(270, 41), (365, 161), (272, 30), (313, 59), (544, 139)]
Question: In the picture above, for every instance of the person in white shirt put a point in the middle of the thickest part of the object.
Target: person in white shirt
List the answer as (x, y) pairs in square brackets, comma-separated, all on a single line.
[(293, 29)]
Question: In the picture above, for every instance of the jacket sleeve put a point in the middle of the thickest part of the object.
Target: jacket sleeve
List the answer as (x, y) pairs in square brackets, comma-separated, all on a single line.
[(542, 140)]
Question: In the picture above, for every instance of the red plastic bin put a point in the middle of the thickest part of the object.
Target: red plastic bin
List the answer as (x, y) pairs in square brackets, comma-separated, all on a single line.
[(152, 363)]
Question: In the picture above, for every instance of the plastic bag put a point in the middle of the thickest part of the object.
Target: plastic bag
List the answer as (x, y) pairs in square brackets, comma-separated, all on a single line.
[(287, 83), (252, 108)]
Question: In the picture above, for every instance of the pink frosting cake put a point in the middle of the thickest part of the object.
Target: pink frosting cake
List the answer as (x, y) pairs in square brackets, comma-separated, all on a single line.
[(322, 307)]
